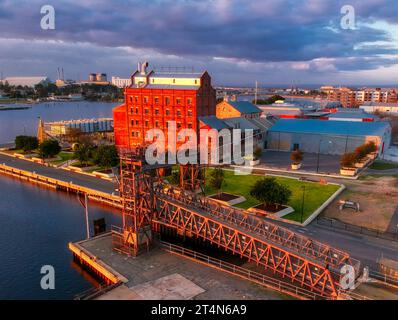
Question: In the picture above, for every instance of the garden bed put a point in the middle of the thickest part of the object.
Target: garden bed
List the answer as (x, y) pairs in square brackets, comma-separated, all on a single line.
[(228, 198)]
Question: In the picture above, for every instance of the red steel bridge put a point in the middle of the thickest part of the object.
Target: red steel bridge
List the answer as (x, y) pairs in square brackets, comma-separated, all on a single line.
[(149, 205)]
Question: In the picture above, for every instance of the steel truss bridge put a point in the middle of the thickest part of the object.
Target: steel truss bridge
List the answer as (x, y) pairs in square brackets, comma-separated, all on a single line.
[(149, 204)]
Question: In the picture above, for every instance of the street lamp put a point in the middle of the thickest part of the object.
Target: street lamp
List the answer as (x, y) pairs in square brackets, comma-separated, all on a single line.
[(302, 204)]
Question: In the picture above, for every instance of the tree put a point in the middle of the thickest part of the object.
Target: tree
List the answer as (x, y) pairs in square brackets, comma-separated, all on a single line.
[(83, 154), (49, 148), (270, 100), (270, 192), (297, 156), (26, 143), (217, 178), (106, 156)]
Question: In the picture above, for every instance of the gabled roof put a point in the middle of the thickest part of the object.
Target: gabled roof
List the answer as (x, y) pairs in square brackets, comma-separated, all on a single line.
[(241, 123), (245, 107)]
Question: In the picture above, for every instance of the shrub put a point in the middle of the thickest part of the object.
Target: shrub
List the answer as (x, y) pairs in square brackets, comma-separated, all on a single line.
[(297, 156), (26, 143), (360, 152), (348, 160), (257, 153)]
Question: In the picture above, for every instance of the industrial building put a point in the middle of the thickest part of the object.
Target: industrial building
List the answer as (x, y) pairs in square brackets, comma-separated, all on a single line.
[(155, 98), (88, 126), (234, 109), (121, 83), (327, 137), (378, 107), (26, 81)]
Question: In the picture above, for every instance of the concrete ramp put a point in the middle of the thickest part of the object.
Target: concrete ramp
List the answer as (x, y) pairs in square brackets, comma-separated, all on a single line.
[(172, 287)]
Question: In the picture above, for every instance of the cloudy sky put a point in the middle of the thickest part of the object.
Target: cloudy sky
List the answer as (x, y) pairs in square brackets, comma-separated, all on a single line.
[(239, 41)]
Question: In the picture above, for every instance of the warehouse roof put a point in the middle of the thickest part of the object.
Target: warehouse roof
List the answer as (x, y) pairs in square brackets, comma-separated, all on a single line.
[(214, 123), (245, 107), (352, 115), (331, 127)]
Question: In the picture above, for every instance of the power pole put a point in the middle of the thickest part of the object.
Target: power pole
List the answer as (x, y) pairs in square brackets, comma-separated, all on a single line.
[(85, 206), (255, 94)]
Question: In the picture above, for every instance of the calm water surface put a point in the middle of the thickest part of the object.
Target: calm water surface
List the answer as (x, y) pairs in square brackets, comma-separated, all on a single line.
[(36, 225), (16, 122)]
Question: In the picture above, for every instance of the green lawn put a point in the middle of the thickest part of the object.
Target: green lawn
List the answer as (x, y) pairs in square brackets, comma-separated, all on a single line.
[(65, 156), (381, 165), (315, 194)]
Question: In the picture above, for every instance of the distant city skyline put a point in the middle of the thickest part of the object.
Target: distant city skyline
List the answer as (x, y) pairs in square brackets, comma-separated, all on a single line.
[(276, 42)]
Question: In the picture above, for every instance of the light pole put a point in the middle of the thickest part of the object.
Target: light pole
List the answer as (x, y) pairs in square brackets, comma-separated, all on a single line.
[(302, 204)]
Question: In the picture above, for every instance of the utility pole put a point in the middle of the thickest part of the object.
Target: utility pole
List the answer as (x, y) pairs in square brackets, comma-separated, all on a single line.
[(85, 206), (255, 94)]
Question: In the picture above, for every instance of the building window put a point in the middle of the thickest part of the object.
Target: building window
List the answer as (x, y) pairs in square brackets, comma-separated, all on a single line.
[(137, 122), (156, 99), (136, 99), (189, 125), (156, 124), (146, 111), (131, 99), (167, 101), (178, 101), (178, 125), (145, 99), (189, 101), (189, 113), (146, 123), (178, 113), (167, 112), (136, 110), (156, 111)]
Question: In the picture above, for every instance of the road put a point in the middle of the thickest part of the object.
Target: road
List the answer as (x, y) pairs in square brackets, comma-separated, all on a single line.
[(366, 249), (63, 175)]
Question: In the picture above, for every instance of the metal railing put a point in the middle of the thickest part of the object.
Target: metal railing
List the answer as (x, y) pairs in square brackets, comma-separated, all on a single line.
[(339, 225), (269, 282), (384, 278), (96, 292)]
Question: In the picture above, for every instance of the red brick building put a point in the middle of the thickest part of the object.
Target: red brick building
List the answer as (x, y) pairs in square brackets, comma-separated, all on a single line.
[(155, 98)]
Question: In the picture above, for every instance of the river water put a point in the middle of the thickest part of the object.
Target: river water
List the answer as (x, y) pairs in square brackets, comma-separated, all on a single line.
[(36, 225), (17, 122)]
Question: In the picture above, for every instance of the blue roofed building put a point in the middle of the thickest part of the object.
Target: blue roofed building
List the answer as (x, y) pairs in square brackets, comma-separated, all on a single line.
[(327, 137)]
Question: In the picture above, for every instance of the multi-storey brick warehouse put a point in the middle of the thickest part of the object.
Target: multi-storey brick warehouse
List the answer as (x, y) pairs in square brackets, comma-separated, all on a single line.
[(154, 99)]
